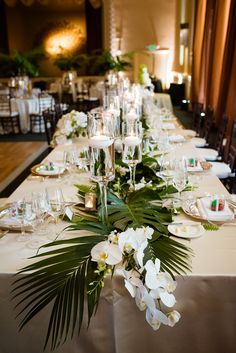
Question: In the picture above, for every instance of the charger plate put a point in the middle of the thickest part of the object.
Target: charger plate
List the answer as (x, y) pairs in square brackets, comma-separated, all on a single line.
[(191, 209), (35, 170)]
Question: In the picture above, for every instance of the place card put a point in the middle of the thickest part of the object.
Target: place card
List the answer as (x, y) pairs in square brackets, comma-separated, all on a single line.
[(69, 213)]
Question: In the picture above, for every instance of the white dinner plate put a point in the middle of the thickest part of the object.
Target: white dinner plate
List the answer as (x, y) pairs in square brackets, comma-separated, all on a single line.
[(42, 171), (186, 230)]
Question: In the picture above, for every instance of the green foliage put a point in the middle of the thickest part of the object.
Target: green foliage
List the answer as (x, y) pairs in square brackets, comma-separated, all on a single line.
[(21, 63), (71, 62), (208, 226), (100, 62), (64, 274), (96, 63)]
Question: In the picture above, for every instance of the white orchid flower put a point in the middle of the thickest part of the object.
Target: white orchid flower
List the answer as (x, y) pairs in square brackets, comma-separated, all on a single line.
[(166, 298), (144, 300), (173, 317), (142, 184), (132, 280), (160, 283), (113, 237), (132, 239), (106, 252), (140, 253), (155, 318)]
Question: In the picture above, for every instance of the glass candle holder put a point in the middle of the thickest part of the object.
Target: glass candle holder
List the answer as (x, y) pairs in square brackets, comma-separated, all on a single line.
[(132, 147), (102, 155)]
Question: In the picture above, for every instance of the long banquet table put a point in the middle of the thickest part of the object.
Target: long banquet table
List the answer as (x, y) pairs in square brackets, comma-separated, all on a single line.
[(206, 297)]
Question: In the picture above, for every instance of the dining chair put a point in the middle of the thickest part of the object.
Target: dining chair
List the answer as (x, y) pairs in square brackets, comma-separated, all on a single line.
[(198, 114), (206, 118), (50, 118), (220, 139), (9, 120), (45, 101), (225, 171)]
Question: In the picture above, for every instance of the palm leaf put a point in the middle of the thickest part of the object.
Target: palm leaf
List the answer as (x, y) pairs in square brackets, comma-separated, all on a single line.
[(64, 274), (60, 276)]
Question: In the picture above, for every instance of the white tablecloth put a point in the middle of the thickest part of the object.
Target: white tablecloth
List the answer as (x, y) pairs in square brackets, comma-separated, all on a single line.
[(206, 298), (25, 107)]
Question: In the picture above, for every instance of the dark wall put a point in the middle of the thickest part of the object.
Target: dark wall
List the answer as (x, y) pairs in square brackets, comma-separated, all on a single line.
[(93, 27), (3, 29)]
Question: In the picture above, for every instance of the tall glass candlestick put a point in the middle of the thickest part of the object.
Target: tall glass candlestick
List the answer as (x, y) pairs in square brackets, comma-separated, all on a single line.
[(132, 147), (102, 157)]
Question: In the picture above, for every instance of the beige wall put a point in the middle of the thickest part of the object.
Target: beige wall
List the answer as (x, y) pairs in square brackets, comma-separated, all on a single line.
[(142, 22)]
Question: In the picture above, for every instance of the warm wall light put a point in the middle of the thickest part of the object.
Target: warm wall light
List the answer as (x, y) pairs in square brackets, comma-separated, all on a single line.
[(64, 41)]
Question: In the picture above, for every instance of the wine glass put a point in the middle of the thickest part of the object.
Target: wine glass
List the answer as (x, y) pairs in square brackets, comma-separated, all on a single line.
[(84, 160), (166, 170), (20, 212), (102, 157), (35, 216), (56, 201), (132, 147), (70, 161), (180, 176)]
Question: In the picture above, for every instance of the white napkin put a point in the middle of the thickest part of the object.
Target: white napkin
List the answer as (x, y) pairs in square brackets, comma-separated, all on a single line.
[(14, 224), (197, 168), (176, 138), (204, 206), (168, 126)]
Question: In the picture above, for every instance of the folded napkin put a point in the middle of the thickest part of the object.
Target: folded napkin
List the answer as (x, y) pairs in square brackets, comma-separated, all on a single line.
[(197, 168), (176, 138), (168, 126), (204, 207), (14, 224)]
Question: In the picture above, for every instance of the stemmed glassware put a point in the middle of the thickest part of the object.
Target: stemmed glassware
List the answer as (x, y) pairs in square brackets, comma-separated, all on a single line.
[(70, 160), (166, 170), (56, 202), (102, 157), (180, 176), (21, 212), (132, 147)]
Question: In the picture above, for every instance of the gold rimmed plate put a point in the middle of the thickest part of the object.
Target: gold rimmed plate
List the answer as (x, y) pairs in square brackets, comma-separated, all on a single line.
[(39, 170), (190, 208)]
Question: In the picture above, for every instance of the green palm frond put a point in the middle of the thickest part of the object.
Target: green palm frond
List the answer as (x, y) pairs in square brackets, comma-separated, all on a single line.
[(65, 276), (62, 277), (137, 211)]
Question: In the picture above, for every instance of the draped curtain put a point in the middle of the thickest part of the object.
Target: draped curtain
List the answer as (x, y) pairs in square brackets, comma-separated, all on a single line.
[(214, 57)]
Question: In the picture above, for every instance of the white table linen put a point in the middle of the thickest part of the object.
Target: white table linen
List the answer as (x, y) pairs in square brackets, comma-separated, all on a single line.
[(206, 298), (25, 107)]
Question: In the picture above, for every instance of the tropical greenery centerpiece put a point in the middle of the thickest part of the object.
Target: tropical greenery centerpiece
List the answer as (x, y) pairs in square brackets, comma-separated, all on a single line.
[(134, 243)]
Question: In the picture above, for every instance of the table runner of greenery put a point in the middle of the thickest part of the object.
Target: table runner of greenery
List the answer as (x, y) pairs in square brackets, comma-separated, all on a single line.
[(69, 274)]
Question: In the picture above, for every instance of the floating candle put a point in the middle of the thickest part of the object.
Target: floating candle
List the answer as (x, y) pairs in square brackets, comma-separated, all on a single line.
[(100, 141), (132, 140)]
